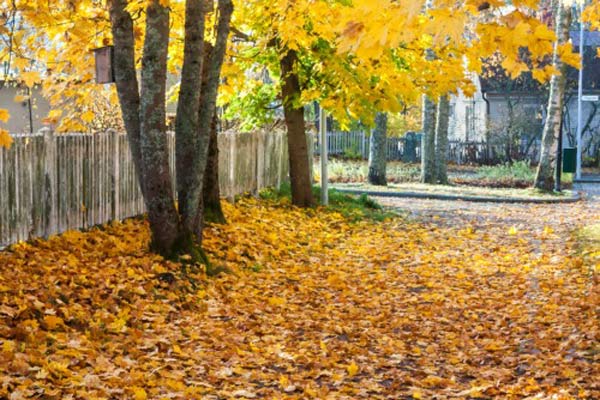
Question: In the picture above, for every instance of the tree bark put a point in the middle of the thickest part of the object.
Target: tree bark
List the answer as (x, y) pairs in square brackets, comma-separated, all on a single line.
[(297, 144), (126, 80), (162, 214), (211, 194), (428, 142), (213, 212), (441, 139), (544, 178), (377, 151), (187, 122), (206, 112)]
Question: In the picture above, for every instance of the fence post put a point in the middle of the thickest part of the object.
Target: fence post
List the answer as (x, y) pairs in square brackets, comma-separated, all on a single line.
[(232, 162), (115, 175), (50, 199), (260, 159)]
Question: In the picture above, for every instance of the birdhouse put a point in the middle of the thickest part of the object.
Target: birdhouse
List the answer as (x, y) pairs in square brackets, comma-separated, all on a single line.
[(104, 64)]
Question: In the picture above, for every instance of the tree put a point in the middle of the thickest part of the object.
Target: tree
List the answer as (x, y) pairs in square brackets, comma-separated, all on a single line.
[(294, 120), (441, 140), (174, 230), (377, 151), (544, 178), (428, 170)]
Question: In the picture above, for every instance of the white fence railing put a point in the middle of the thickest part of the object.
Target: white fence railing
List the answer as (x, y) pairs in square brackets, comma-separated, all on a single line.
[(51, 183)]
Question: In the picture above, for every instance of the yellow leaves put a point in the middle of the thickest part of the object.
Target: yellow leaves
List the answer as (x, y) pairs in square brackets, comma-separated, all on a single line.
[(52, 322), (139, 393), (5, 139), (8, 346), (30, 78), (53, 116), (88, 116), (566, 55), (544, 74), (544, 33), (533, 4), (389, 310), (4, 115), (276, 301), (352, 369), (514, 67), (447, 22)]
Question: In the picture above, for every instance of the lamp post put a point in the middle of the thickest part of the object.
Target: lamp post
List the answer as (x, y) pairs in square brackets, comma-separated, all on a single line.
[(579, 96), (323, 148)]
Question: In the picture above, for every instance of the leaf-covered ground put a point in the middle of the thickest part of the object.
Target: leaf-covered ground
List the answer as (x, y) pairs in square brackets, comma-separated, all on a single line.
[(459, 303)]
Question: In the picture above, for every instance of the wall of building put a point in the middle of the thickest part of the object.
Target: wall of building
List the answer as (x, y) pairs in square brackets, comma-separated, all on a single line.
[(20, 111)]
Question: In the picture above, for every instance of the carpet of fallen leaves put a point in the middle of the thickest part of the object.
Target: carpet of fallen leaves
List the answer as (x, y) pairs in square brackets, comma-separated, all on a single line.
[(315, 307)]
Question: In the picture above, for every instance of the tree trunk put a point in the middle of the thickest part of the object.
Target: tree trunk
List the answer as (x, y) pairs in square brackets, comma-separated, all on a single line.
[(544, 178), (162, 214), (441, 139), (428, 142), (211, 195), (206, 111), (297, 143), (126, 80), (187, 122), (377, 151)]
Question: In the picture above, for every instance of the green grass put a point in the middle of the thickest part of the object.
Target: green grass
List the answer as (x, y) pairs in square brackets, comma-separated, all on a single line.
[(517, 175), (354, 208), (520, 170)]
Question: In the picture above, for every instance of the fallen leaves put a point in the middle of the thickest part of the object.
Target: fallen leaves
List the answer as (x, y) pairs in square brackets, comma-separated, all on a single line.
[(315, 307)]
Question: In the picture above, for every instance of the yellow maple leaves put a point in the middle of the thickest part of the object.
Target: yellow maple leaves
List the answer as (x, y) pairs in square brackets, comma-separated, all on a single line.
[(5, 139), (337, 309)]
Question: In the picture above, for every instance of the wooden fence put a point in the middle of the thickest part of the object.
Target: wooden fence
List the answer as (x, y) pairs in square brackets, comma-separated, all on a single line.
[(51, 183)]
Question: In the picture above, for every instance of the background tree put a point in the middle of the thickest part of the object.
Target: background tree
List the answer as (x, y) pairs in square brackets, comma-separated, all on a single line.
[(428, 163), (441, 139), (378, 151), (544, 178)]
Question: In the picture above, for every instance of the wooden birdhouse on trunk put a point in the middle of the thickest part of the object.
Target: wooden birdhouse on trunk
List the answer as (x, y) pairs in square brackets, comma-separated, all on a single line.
[(104, 64)]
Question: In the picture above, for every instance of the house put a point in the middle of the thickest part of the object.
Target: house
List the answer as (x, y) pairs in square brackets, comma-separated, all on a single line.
[(515, 109), (26, 112)]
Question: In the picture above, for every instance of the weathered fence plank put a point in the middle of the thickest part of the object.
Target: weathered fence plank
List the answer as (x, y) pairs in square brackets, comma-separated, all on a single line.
[(51, 183)]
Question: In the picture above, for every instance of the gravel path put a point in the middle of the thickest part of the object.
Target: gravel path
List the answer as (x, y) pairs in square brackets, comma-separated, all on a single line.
[(532, 217)]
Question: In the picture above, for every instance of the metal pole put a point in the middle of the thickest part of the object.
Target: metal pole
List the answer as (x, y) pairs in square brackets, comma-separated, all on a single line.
[(579, 101), (323, 145)]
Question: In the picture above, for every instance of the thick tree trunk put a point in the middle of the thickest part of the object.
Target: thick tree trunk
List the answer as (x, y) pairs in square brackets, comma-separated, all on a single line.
[(428, 142), (162, 214), (544, 178), (187, 122), (441, 139), (126, 80), (297, 143), (206, 112), (377, 151)]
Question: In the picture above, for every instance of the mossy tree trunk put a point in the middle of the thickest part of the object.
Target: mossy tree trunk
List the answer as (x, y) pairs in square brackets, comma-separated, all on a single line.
[(377, 151), (173, 231), (187, 124), (156, 178)]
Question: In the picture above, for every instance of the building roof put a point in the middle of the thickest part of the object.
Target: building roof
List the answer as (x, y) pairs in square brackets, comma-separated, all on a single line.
[(495, 80), (590, 38)]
